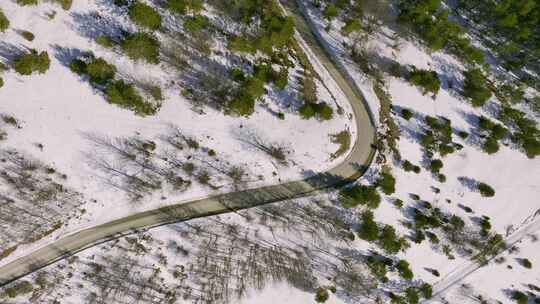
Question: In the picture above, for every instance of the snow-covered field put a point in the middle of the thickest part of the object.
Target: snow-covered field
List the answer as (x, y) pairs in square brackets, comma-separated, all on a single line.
[(58, 113)]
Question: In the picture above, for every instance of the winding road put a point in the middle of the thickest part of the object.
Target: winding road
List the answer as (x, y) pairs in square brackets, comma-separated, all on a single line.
[(354, 165)]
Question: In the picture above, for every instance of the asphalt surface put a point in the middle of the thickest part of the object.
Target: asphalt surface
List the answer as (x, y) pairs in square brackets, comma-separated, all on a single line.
[(355, 164)]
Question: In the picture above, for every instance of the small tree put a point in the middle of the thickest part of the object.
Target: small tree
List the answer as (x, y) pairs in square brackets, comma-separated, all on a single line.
[(330, 12), (389, 240), (485, 190), (141, 46), (322, 295), (475, 87), (100, 71), (387, 183), (526, 263), (4, 22), (368, 229), (412, 295), (426, 290), (144, 15), (427, 80), (365, 195), (31, 62), (182, 6), (406, 114), (520, 297), (404, 270), (436, 165)]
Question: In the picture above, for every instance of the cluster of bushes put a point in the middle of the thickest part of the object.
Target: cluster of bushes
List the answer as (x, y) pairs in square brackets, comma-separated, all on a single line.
[(99, 71), (427, 80), (311, 107), (495, 133), (475, 87), (386, 237), (360, 195), (512, 24), (432, 23), (525, 132), (408, 167), (4, 22), (439, 137), (321, 111), (252, 87), (275, 32), (28, 63), (101, 74)]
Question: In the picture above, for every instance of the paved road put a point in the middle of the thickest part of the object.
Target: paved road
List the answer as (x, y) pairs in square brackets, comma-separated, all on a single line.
[(349, 170)]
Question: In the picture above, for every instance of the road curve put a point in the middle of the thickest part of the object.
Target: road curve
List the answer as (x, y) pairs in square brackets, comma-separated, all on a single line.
[(347, 171)]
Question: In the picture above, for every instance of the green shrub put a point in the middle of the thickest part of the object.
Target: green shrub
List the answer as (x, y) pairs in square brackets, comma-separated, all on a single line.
[(485, 190), (141, 46), (426, 290), (4, 22), (389, 240), (475, 87), (124, 95), (196, 23), (241, 44), (1, 82), (441, 177), (463, 134), (27, 35), (412, 295), (27, 2), (359, 194), (368, 229), (520, 297), (351, 25), (321, 111), (427, 80), (322, 295), (406, 114), (100, 71), (526, 263), (144, 15), (436, 165), (387, 183), (330, 11), (404, 270), (491, 145), (182, 6), (105, 41), (31, 62), (244, 103), (19, 288)]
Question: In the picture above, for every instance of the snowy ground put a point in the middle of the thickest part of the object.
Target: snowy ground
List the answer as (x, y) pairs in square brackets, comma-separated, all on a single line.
[(513, 176), (57, 112)]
